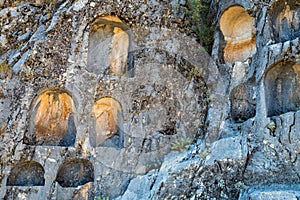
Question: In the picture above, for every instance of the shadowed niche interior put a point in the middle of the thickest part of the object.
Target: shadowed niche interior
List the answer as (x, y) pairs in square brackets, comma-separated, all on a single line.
[(243, 101), (238, 29), (107, 113), (282, 88), (52, 119), (285, 19), (26, 173), (75, 172), (108, 46)]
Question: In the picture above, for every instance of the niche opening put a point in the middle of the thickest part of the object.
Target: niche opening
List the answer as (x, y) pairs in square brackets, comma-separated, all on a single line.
[(238, 29), (109, 44), (285, 18), (243, 101), (107, 113), (52, 119), (26, 173), (75, 172), (282, 88)]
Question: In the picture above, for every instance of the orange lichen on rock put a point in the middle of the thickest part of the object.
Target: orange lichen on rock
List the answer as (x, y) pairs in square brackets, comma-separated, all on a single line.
[(107, 113), (51, 119), (238, 30), (239, 51)]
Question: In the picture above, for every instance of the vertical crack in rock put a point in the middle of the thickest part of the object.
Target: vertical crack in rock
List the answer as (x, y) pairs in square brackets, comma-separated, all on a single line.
[(290, 128), (126, 124)]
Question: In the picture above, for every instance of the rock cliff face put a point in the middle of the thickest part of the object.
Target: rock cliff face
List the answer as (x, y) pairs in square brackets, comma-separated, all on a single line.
[(112, 99)]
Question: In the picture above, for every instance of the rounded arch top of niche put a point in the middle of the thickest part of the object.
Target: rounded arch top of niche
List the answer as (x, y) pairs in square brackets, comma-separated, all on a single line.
[(109, 46), (238, 30), (52, 119)]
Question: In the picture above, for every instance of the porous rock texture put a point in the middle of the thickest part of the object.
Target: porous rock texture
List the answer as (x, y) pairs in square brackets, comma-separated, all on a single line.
[(113, 100)]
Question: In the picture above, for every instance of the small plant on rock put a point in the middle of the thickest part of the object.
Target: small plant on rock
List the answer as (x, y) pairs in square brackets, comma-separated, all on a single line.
[(272, 127), (181, 144), (197, 17), (205, 153), (240, 185)]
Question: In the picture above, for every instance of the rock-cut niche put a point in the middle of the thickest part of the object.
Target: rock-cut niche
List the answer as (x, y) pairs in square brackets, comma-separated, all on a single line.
[(238, 29), (107, 123), (243, 101), (282, 86), (26, 173), (285, 18), (109, 43), (75, 172), (52, 119)]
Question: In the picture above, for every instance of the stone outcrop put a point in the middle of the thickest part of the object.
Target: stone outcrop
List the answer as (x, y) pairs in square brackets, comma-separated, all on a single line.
[(112, 99)]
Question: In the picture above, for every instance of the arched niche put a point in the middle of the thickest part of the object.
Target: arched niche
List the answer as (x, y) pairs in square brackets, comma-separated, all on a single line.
[(238, 29), (52, 119), (75, 172), (282, 88), (285, 19), (107, 126), (243, 101), (109, 44), (26, 173)]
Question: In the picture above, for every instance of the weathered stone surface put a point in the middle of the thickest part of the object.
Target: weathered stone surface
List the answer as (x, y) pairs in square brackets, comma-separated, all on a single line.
[(108, 46), (282, 88), (272, 192), (108, 121), (274, 195), (119, 52), (51, 122), (243, 101), (228, 148), (241, 107), (285, 20), (27, 173), (75, 172)]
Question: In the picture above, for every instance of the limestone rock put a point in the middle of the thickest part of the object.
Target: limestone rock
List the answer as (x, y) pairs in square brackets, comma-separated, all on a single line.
[(96, 97)]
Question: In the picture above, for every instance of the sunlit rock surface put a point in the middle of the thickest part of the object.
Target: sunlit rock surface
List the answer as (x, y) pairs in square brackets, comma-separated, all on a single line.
[(238, 29), (117, 99)]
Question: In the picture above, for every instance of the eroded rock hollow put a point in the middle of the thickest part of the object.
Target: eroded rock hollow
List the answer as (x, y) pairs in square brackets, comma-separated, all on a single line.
[(118, 99)]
